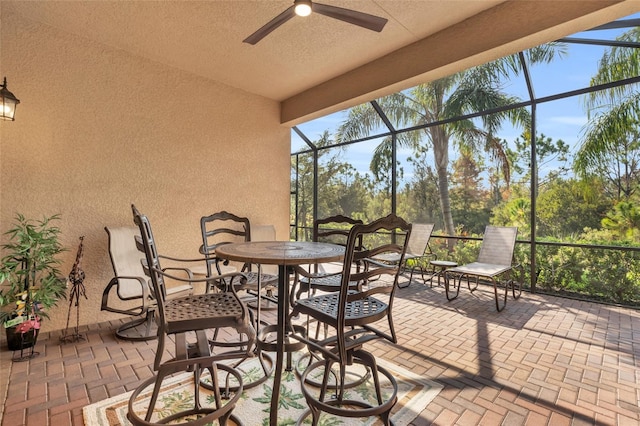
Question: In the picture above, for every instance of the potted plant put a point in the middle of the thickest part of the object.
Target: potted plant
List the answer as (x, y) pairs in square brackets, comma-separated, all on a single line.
[(30, 282)]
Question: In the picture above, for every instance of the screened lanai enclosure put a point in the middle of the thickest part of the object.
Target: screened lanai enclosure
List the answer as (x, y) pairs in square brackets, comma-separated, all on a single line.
[(547, 140)]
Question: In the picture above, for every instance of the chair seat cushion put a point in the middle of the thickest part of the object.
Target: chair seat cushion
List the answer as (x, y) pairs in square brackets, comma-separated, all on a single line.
[(202, 311), (482, 269)]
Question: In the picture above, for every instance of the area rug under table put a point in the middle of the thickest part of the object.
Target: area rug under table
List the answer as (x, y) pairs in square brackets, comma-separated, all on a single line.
[(414, 393)]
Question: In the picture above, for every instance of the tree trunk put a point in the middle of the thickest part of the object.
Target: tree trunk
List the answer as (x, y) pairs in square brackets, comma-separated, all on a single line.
[(441, 154)]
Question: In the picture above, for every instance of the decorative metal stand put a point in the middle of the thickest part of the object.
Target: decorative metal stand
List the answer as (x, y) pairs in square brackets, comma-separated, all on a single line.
[(76, 276), (27, 344)]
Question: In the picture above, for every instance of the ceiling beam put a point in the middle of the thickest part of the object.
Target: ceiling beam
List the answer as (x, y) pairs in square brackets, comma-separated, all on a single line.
[(508, 28)]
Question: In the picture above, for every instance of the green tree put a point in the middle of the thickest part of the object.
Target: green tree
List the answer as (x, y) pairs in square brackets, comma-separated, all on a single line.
[(418, 200), (618, 171), (550, 154), (341, 189), (610, 140), (624, 220), (470, 91), (514, 212), (302, 168), (563, 210), (468, 200)]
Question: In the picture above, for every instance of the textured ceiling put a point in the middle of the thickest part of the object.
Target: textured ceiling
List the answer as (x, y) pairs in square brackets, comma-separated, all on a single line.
[(205, 37)]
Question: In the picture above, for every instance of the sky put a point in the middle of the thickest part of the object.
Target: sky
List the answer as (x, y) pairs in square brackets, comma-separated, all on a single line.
[(564, 119)]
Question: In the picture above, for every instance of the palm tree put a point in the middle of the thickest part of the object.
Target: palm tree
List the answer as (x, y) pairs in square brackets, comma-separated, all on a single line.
[(474, 90), (613, 118)]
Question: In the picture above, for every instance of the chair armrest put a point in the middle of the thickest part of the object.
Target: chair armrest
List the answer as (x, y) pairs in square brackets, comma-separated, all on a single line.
[(310, 275), (202, 260), (379, 264), (179, 259), (178, 268), (144, 284), (115, 282), (207, 279), (140, 247)]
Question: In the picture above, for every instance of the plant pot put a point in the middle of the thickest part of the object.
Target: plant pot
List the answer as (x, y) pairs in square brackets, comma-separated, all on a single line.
[(17, 341)]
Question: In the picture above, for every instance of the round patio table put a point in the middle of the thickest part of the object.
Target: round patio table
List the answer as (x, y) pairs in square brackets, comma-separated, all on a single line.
[(285, 254)]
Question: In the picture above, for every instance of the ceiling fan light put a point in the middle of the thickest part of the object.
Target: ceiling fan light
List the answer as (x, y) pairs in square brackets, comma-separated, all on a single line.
[(303, 7)]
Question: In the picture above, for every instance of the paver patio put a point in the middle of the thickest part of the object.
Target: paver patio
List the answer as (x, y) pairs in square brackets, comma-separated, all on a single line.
[(544, 360)]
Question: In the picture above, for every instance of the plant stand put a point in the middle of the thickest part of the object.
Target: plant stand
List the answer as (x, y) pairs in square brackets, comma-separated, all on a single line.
[(25, 342)]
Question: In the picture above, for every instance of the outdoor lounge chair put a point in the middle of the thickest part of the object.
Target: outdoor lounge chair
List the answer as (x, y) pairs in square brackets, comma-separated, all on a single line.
[(133, 294), (418, 252), (494, 263)]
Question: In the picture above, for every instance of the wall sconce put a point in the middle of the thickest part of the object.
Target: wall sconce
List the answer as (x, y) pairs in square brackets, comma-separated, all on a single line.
[(8, 102)]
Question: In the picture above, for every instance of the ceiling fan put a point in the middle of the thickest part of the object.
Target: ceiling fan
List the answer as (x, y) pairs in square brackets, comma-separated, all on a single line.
[(305, 7)]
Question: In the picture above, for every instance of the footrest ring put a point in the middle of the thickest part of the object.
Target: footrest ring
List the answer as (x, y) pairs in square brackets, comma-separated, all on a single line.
[(270, 345)]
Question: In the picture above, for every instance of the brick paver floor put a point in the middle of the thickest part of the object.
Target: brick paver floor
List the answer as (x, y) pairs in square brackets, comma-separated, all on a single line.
[(544, 360)]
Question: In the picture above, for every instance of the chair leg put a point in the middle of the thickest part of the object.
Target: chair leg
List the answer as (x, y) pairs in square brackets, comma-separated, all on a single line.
[(197, 415), (340, 405), (404, 267), (447, 284), (519, 281), (154, 396), (433, 275), (325, 380), (495, 290), (128, 330), (475, 287), (424, 280)]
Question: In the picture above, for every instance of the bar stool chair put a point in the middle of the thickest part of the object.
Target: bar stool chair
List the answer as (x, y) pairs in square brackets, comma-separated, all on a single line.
[(353, 316), (222, 228), (182, 318)]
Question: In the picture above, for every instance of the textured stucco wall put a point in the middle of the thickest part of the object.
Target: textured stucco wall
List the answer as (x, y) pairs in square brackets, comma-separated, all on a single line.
[(98, 129)]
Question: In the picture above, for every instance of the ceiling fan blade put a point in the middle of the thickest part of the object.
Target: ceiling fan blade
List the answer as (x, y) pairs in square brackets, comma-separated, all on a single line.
[(371, 22), (270, 26)]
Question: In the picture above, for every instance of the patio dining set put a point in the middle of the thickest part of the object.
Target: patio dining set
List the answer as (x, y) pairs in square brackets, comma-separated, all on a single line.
[(344, 281)]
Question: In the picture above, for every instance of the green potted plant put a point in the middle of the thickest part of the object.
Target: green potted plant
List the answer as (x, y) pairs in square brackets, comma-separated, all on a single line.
[(30, 282)]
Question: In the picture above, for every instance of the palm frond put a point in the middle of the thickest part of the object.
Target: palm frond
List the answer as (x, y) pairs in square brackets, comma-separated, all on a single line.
[(361, 121), (604, 131), (616, 64)]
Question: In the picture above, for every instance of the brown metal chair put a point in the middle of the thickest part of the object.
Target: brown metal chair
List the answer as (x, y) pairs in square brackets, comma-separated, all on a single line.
[(494, 263), (129, 291), (182, 318), (225, 228), (335, 230), (354, 317)]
